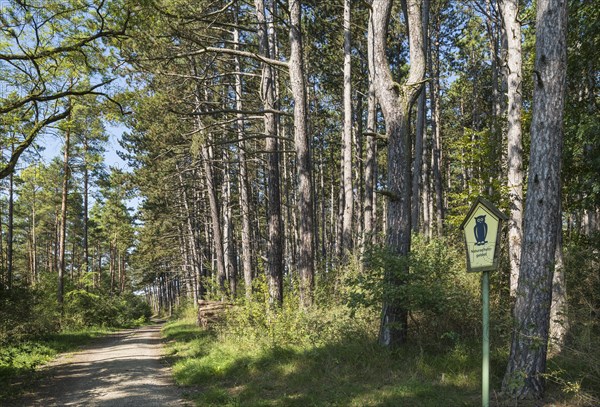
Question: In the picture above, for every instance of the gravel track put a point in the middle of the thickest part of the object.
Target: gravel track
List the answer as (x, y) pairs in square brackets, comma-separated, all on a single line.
[(122, 369)]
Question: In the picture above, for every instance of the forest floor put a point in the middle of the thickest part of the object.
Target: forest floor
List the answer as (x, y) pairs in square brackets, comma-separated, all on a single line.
[(125, 368)]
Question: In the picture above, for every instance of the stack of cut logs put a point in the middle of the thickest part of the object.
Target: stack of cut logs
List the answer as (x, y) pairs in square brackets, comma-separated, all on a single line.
[(210, 312)]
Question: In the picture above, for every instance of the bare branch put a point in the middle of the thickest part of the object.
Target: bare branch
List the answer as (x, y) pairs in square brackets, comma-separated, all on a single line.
[(38, 97), (39, 126), (229, 51)]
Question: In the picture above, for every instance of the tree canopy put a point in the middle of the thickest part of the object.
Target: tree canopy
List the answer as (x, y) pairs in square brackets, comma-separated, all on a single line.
[(314, 148)]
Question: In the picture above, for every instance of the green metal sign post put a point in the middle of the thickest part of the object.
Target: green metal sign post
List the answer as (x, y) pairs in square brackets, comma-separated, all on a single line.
[(481, 230), (485, 366)]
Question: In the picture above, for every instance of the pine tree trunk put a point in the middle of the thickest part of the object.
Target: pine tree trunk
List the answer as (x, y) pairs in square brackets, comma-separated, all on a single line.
[(34, 263), (395, 101), (559, 320), (217, 237), (195, 259), (371, 162), (527, 361), (509, 10), (3, 277), (112, 254), (305, 258), (228, 241), (243, 178), (494, 34), (86, 180), (417, 175), (10, 226), (275, 224), (348, 208), (434, 61), (359, 176), (63, 219)]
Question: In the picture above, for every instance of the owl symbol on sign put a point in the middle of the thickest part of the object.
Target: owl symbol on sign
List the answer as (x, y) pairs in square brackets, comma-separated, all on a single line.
[(480, 230)]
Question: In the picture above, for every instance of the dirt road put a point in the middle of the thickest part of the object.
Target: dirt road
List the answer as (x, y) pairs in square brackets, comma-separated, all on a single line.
[(124, 369)]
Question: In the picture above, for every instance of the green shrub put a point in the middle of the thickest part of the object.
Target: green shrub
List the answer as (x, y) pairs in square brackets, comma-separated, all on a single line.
[(26, 312), (258, 321), (441, 297), (87, 308)]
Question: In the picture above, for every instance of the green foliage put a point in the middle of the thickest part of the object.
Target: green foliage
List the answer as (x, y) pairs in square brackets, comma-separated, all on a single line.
[(328, 355), (259, 321), (86, 309), (16, 314), (582, 261), (27, 313), (442, 298), (330, 359)]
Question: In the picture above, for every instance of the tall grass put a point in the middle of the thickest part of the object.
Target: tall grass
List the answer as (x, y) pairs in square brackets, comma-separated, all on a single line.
[(229, 370), (329, 355)]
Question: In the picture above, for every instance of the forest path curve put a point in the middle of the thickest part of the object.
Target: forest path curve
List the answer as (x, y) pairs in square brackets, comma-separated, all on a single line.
[(123, 369)]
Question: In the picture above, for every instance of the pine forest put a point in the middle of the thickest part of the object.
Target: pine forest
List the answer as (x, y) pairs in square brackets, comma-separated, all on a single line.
[(285, 184)]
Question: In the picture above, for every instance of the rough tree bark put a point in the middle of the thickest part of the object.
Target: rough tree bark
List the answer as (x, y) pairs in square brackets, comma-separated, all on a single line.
[(217, 238), (371, 160), (275, 225), (63, 218), (305, 259), (34, 255), (243, 178), (86, 194), (417, 182), (346, 243), (512, 26), (436, 161), (10, 226), (228, 236), (527, 361), (395, 100), (559, 321)]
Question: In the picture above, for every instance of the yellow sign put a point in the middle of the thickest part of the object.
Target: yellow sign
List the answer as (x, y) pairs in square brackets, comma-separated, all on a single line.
[(481, 229)]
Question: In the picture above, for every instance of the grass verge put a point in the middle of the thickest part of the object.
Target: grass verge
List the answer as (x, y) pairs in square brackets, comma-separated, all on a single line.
[(323, 363), (226, 369)]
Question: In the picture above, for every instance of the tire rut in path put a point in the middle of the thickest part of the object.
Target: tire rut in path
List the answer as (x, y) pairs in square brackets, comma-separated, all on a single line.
[(123, 369)]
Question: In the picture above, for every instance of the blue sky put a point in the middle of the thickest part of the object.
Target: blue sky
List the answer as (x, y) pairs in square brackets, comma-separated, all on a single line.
[(54, 144)]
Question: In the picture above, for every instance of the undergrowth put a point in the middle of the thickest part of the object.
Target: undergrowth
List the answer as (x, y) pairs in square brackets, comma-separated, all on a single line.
[(319, 358), (328, 355)]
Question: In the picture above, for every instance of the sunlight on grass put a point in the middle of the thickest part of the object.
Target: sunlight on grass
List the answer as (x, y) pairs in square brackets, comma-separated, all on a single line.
[(229, 370)]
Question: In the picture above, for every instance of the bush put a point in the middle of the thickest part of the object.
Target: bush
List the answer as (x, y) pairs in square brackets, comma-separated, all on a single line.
[(26, 312), (258, 321), (441, 297), (87, 308)]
